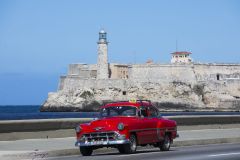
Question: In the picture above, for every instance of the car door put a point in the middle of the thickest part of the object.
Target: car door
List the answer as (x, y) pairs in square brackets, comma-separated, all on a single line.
[(147, 132), (153, 122)]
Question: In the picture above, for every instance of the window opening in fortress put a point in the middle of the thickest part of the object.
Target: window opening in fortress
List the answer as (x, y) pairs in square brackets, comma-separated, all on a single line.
[(124, 93), (218, 77)]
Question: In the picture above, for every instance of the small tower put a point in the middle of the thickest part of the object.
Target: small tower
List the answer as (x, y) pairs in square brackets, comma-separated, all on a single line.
[(102, 65)]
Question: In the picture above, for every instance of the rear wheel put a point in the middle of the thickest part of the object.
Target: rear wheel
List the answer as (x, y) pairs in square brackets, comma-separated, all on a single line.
[(165, 144), (86, 151)]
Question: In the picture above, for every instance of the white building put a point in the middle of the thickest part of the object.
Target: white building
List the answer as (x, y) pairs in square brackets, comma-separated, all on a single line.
[(181, 57)]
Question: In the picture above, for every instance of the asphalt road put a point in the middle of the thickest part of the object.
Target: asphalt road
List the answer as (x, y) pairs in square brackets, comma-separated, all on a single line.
[(208, 152)]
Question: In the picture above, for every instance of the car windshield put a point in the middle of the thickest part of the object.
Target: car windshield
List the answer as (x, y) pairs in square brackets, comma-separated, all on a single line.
[(118, 111)]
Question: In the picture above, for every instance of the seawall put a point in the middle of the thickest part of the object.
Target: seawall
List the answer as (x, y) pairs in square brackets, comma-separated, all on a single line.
[(71, 123)]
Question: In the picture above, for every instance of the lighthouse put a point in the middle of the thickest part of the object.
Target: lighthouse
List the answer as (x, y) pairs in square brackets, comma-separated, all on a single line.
[(102, 64)]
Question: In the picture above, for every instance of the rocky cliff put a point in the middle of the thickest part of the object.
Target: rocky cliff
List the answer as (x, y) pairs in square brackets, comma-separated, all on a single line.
[(88, 95)]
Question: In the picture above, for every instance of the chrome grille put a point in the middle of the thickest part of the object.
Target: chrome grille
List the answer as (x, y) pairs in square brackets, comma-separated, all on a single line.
[(99, 136)]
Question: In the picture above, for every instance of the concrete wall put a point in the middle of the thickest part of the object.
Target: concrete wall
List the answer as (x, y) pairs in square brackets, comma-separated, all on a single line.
[(40, 124), (70, 123)]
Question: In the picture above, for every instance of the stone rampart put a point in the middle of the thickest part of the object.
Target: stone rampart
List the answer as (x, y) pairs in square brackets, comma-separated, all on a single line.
[(184, 72), (206, 72), (164, 73)]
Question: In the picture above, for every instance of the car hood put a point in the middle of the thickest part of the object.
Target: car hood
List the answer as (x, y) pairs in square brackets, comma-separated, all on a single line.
[(105, 124)]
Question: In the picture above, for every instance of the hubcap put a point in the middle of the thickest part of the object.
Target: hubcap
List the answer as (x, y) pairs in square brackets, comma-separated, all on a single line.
[(133, 143), (167, 142)]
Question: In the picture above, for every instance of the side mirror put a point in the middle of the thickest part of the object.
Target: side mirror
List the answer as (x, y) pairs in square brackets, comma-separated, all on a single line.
[(96, 118)]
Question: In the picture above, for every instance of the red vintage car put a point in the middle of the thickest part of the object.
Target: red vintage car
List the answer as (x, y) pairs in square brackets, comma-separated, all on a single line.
[(126, 125)]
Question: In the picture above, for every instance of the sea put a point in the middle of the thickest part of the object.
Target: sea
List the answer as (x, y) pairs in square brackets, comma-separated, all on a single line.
[(24, 112)]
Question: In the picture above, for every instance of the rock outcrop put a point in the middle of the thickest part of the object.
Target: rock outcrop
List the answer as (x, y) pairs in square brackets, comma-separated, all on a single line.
[(176, 95)]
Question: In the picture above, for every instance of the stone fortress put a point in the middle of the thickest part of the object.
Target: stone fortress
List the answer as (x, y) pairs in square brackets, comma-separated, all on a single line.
[(180, 85)]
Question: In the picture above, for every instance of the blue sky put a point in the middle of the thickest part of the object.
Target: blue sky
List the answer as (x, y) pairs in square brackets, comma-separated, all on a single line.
[(38, 39)]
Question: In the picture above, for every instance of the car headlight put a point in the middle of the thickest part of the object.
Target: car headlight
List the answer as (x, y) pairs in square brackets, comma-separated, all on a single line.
[(120, 126), (78, 129)]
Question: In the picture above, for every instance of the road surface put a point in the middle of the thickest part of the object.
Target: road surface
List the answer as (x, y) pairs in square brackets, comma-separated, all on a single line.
[(207, 152), (49, 147)]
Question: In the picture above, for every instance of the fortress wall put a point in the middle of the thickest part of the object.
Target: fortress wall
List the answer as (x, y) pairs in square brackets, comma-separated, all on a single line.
[(186, 73), (61, 83), (82, 70), (206, 72), (232, 87), (74, 69), (156, 73), (162, 73), (73, 83)]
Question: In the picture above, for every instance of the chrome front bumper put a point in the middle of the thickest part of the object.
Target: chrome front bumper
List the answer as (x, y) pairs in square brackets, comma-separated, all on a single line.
[(102, 139), (101, 143)]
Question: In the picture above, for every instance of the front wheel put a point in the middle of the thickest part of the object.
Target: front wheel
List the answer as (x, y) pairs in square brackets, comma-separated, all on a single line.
[(166, 144), (86, 151), (121, 148), (129, 148)]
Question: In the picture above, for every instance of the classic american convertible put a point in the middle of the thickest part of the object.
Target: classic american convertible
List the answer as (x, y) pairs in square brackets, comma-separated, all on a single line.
[(126, 125)]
